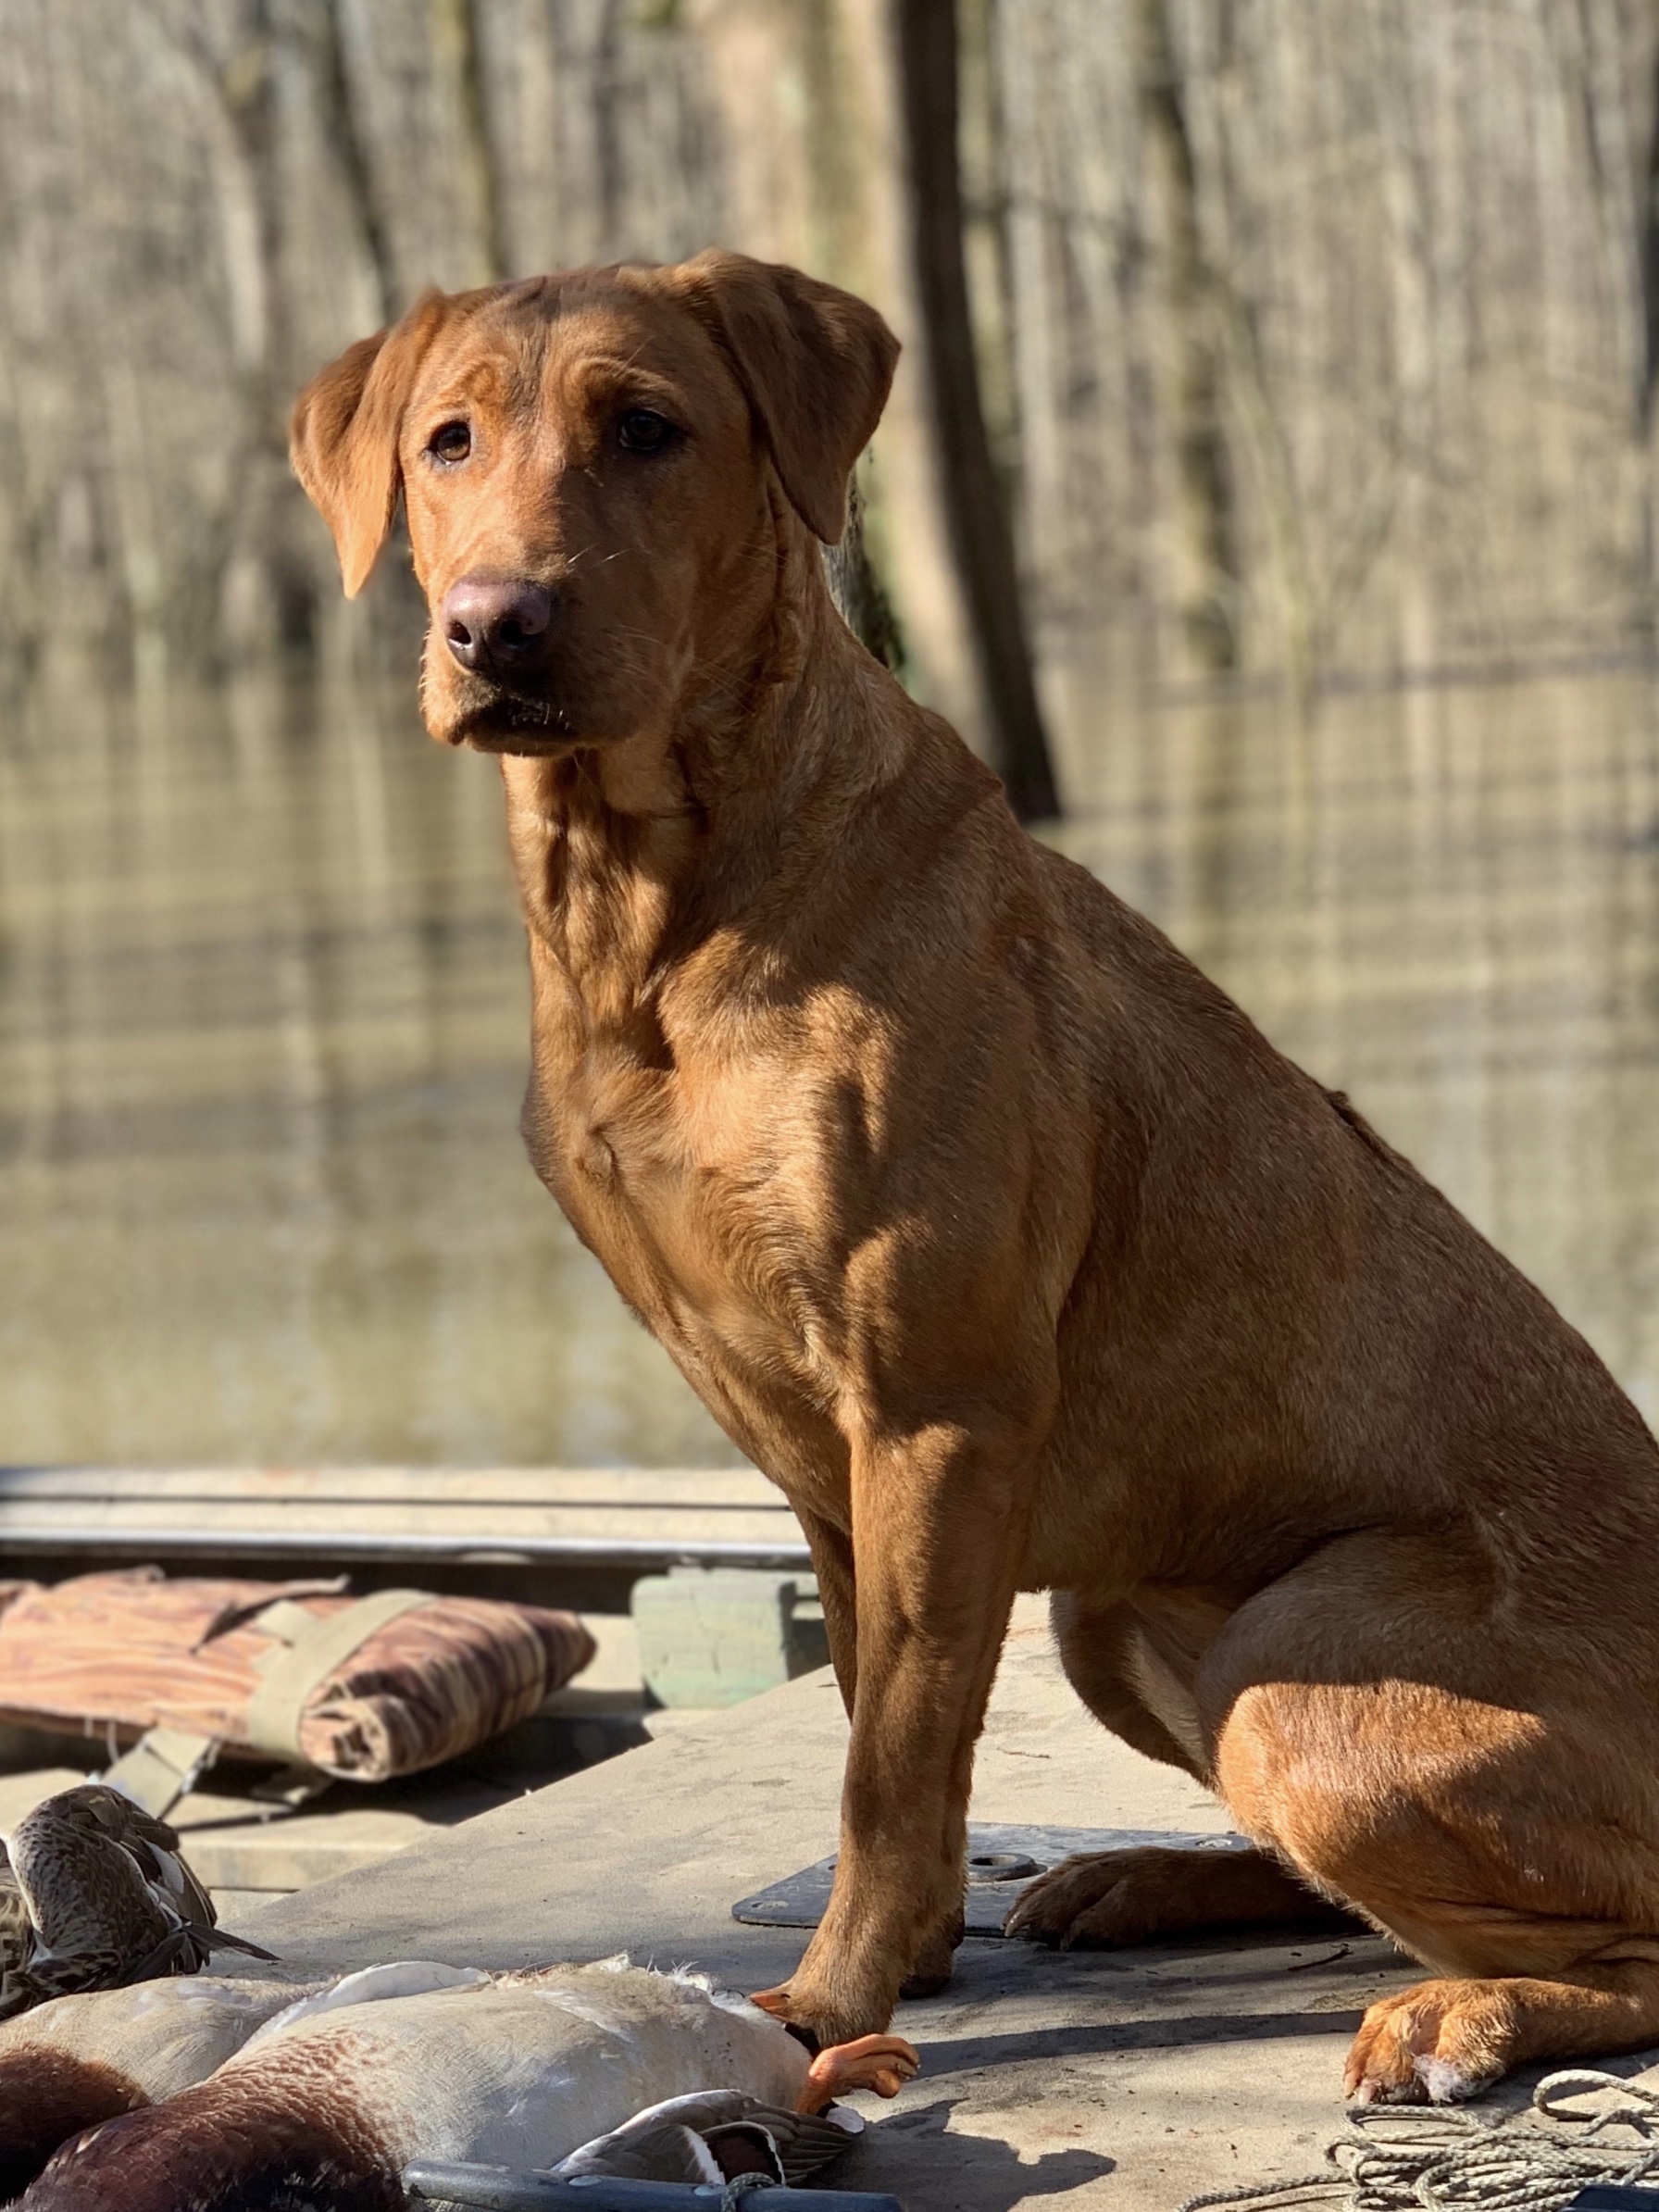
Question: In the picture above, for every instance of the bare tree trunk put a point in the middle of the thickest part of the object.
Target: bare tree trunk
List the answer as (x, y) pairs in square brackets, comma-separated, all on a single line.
[(460, 58), (1399, 62), (1648, 255), (266, 596), (825, 191), (831, 145), (342, 133), (608, 177), (1249, 384), (982, 158), (1647, 393), (1207, 584), (925, 33)]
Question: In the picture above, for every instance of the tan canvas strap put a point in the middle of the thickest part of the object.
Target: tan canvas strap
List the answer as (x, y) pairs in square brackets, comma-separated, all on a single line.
[(162, 1767), (238, 1616), (308, 1648)]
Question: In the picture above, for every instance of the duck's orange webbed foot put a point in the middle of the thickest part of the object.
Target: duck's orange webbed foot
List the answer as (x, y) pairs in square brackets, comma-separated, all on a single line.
[(883, 2063), (775, 2001)]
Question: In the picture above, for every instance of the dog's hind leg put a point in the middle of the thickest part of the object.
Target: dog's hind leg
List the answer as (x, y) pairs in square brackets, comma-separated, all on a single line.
[(1463, 1830), (1387, 1720), (1107, 1661), (1104, 1900)]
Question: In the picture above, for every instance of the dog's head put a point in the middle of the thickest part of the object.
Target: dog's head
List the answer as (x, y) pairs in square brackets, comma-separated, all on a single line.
[(591, 465)]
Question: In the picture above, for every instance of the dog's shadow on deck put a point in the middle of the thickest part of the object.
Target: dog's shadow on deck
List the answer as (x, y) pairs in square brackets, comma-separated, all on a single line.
[(914, 2157)]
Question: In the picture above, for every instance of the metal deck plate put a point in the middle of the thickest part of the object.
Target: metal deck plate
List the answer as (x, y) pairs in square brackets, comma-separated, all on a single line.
[(1002, 1863)]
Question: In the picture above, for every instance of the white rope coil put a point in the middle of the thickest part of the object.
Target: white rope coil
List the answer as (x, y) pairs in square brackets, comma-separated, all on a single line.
[(1400, 2157)]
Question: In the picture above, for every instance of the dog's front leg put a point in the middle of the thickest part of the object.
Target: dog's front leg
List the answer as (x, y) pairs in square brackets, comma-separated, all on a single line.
[(831, 1551), (937, 1541)]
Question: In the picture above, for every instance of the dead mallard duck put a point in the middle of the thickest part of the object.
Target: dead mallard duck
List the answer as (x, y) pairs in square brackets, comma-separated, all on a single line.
[(95, 1894), (580, 2069), (66, 2066)]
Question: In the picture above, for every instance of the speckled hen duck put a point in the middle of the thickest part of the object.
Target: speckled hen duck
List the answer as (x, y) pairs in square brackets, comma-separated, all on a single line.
[(93, 1894), (326, 2107)]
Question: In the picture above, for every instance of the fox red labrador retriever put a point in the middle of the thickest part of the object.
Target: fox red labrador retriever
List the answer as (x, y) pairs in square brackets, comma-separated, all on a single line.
[(993, 1232)]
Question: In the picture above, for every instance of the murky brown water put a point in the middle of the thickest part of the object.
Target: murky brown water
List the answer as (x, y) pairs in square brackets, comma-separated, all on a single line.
[(262, 1042), (1445, 902), (262, 1039)]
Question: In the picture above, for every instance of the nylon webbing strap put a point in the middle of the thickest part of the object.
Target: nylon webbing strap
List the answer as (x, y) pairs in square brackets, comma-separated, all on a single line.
[(307, 1649), (162, 1767)]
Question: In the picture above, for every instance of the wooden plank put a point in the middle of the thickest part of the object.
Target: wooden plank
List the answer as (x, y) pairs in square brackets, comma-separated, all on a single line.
[(720, 1486), (410, 1516), (633, 1517), (591, 1516), (474, 1546)]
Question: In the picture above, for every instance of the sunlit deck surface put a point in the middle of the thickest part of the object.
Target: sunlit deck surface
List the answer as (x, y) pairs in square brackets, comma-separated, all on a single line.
[(1133, 2079)]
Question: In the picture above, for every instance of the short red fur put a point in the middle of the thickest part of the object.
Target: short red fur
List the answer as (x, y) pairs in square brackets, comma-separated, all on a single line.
[(994, 1233)]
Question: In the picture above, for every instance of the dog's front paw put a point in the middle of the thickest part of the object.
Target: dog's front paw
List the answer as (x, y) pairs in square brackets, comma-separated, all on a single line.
[(933, 1964), (820, 2017)]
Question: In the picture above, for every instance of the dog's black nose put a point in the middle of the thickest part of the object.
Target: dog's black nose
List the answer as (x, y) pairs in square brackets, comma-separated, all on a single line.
[(497, 625)]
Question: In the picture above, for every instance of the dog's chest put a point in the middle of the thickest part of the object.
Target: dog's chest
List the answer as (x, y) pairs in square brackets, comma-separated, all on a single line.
[(709, 1205)]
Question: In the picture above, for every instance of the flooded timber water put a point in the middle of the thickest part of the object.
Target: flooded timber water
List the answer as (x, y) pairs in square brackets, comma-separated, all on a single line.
[(263, 1035)]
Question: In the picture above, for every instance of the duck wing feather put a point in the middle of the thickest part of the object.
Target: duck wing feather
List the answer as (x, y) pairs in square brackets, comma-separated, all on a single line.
[(17, 1929), (663, 2150), (800, 2143)]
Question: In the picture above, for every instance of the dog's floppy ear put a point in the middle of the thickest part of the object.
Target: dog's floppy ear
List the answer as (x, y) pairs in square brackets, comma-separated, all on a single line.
[(816, 364), (343, 436)]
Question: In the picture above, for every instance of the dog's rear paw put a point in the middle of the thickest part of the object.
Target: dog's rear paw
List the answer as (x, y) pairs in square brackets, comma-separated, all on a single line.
[(1112, 1898), (1106, 1899), (1434, 2043)]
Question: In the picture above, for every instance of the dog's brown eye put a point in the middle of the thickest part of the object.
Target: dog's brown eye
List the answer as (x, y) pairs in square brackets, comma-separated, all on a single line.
[(642, 431), (452, 442)]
